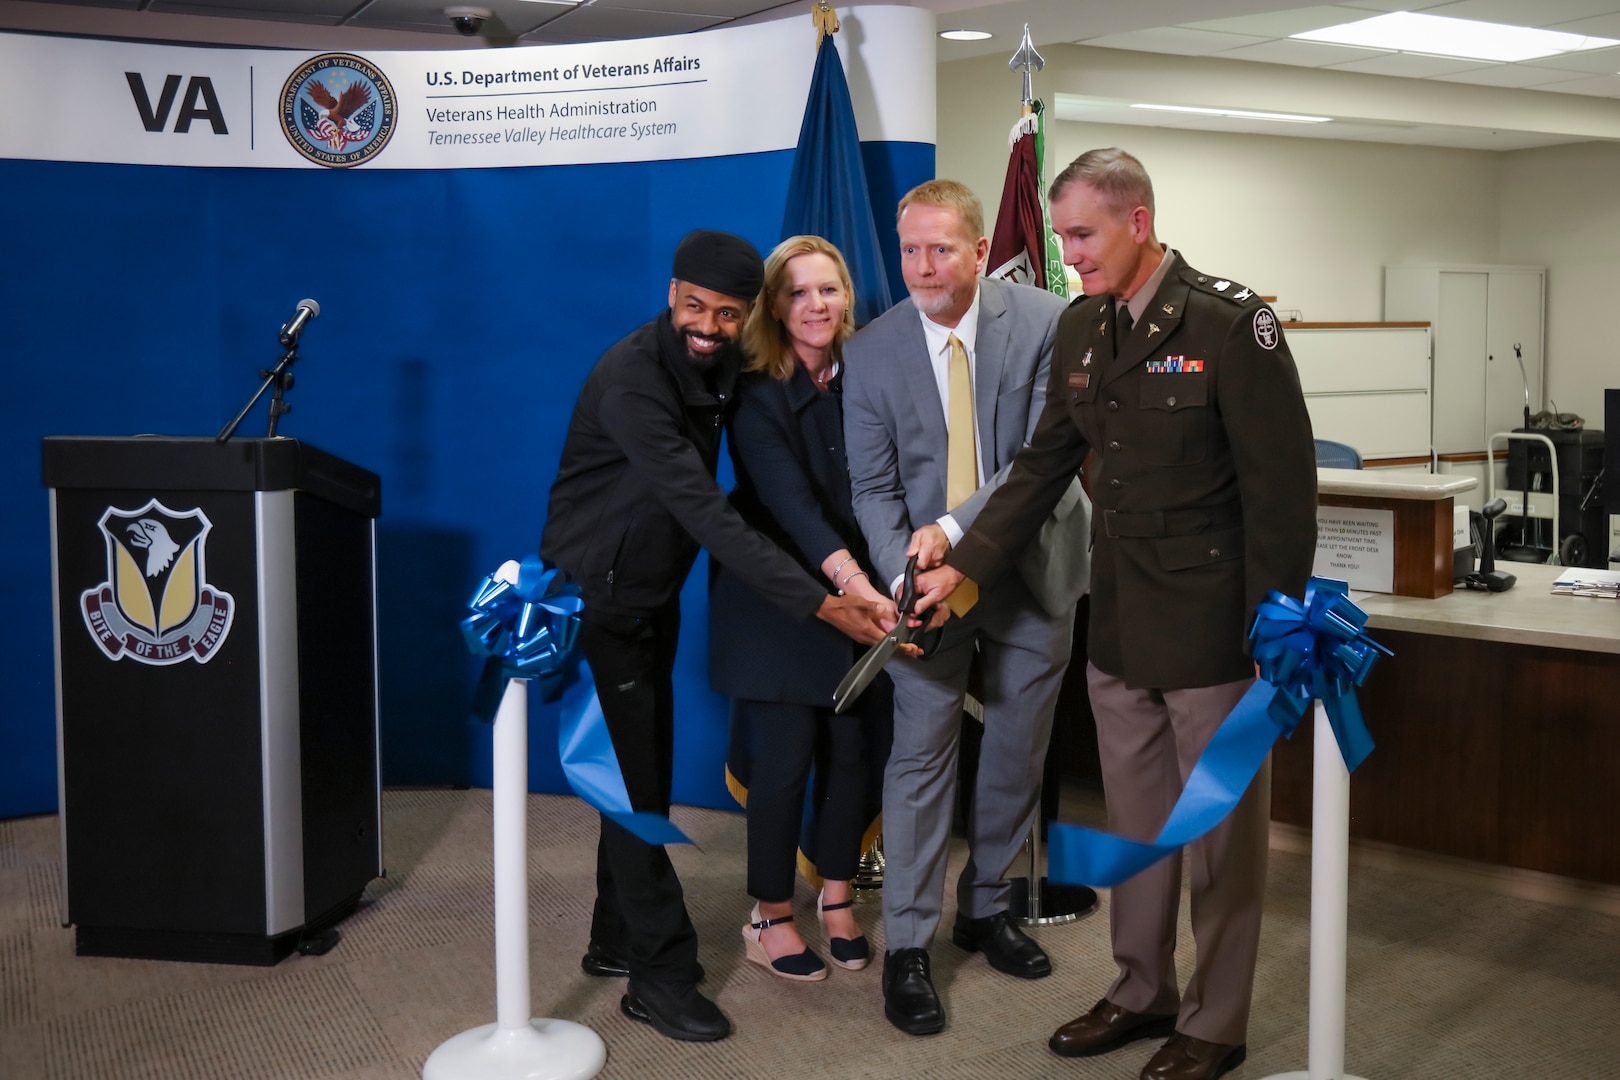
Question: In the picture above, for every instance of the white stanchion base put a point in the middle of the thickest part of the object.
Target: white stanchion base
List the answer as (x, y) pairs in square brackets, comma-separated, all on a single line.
[(545, 1050), (1306, 1076)]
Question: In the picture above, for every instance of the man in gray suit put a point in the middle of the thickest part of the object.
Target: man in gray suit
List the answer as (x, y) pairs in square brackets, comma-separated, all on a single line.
[(939, 395)]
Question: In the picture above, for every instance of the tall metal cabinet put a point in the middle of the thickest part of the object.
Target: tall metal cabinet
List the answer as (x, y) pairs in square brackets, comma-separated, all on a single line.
[(1478, 313)]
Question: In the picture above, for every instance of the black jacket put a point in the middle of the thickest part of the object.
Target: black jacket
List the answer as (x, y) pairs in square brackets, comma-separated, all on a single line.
[(635, 495), (787, 446)]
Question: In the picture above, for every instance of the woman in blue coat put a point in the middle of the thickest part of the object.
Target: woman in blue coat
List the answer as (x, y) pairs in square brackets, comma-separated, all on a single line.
[(787, 447)]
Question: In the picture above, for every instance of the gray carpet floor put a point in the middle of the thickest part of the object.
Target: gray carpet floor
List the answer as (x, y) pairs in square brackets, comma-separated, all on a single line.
[(1445, 980)]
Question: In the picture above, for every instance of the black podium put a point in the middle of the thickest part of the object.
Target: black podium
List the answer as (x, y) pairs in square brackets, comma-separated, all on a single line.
[(216, 693)]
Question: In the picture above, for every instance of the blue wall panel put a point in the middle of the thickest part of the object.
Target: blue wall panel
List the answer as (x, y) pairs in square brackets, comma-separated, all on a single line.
[(461, 311)]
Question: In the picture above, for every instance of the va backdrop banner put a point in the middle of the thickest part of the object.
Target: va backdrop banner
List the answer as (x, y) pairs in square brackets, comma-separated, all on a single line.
[(477, 228)]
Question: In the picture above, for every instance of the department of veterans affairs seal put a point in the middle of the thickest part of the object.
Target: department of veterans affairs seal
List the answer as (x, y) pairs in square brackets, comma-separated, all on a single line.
[(338, 110)]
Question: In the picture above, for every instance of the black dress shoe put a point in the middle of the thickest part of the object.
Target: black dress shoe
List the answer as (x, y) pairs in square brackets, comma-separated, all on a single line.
[(1008, 948), (599, 962), (1106, 1027), (676, 1010), (909, 1000), (604, 964)]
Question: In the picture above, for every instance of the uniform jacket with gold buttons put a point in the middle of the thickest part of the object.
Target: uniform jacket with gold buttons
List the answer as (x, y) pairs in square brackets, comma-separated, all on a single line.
[(1203, 478)]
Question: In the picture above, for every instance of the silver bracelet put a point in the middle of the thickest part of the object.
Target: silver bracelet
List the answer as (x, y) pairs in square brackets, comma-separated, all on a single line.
[(855, 574), (840, 566)]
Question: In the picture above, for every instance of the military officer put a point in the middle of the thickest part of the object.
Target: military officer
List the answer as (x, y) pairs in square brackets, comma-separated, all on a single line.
[(1204, 484)]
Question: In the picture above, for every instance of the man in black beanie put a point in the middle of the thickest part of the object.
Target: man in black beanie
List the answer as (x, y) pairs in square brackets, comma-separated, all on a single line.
[(634, 499)]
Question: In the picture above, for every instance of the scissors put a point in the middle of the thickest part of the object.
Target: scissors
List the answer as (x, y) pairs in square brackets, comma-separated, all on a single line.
[(867, 667)]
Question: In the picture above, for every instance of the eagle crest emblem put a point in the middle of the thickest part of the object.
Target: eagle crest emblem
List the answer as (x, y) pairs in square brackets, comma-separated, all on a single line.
[(156, 606), (338, 110)]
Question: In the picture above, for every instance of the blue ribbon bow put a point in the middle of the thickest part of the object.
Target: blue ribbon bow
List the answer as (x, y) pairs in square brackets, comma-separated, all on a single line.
[(532, 627), (1306, 650)]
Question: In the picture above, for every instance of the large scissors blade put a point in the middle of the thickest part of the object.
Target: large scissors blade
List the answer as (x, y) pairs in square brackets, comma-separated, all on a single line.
[(865, 670), (867, 667)]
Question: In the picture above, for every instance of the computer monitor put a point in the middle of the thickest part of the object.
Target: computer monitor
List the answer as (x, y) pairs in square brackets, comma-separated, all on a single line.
[(1611, 451)]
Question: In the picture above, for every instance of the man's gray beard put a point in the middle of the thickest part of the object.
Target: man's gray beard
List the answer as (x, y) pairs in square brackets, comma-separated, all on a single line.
[(934, 301)]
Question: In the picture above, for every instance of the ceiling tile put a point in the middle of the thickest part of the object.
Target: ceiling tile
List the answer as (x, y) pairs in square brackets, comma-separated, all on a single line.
[(1392, 5), (508, 17), (1303, 53), (1278, 24), (612, 24), (1591, 62), (1522, 13), (317, 11), (1510, 75), (1179, 40), (1410, 65), (729, 9), (1596, 26), (1595, 86)]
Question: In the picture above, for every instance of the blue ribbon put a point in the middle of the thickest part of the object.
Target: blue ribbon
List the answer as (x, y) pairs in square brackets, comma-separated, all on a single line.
[(532, 628), (1306, 650)]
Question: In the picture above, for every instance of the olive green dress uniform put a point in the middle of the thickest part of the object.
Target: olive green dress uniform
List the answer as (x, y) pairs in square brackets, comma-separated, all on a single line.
[(1204, 492)]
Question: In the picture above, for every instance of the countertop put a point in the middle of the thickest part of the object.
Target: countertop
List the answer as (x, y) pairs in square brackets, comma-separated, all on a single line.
[(1370, 484), (1527, 614)]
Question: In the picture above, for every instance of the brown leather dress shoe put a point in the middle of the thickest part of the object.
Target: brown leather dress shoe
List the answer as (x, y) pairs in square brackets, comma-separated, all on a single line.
[(1106, 1027), (1187, 1058)]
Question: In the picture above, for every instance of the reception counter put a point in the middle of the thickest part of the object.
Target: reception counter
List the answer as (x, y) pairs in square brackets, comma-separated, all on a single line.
[(1498, 730)]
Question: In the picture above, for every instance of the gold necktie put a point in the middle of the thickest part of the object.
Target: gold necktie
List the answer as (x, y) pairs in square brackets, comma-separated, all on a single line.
[(961, 469)]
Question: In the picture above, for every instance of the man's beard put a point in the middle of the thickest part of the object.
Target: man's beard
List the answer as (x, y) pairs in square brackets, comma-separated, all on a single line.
[(704, 361), (933, 301)]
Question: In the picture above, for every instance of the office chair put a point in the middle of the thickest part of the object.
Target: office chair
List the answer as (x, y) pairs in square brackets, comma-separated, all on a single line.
[(1336, 455)]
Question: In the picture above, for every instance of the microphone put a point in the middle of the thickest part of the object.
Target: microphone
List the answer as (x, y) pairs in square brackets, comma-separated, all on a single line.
[(307, 310)]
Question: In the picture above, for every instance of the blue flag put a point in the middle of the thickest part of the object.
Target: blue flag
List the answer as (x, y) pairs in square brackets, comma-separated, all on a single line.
[(827, 194)]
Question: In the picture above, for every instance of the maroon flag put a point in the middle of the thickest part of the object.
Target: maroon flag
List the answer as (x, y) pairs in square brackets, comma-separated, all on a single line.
[(1018, 249)]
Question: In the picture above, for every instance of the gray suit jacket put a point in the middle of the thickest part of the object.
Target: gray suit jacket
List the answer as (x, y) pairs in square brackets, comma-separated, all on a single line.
[(895, 433)]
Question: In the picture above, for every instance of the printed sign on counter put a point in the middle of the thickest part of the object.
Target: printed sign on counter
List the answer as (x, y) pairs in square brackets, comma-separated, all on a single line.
[(1357, 546)]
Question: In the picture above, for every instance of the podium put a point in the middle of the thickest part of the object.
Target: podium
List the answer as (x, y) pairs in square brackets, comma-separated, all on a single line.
[(216, 693)]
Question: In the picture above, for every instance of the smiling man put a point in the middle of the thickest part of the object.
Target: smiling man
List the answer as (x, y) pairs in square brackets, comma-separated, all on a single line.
[(941, 392), (1204, 479), (634, 499)]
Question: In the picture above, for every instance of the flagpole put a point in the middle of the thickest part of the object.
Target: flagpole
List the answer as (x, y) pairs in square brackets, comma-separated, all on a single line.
[(1043, 902)]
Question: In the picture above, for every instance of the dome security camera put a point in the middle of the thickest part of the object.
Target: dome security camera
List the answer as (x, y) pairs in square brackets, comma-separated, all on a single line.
[(467, 20)]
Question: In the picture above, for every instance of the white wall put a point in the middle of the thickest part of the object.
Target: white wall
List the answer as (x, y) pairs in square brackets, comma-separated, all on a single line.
[(1310, 221), (1314, 221), (1561, 209)]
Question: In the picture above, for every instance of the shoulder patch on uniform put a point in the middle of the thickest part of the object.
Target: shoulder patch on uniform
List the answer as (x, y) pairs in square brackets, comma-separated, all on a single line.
[(1265, 328)]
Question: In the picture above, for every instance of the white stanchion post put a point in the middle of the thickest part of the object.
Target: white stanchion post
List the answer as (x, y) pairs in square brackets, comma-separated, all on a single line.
[(516, 1046), (1330, 890)]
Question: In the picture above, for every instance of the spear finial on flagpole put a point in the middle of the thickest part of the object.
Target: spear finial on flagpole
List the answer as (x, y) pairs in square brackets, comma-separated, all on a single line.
[(1027, 60), (825, 18)]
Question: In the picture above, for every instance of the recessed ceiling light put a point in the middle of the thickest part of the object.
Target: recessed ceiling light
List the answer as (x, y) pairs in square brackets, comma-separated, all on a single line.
[(1438, 35), (1246, 114), (964, 35)]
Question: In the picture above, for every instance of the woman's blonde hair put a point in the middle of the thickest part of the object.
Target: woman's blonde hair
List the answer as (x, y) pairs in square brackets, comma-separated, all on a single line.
[(765, 336)]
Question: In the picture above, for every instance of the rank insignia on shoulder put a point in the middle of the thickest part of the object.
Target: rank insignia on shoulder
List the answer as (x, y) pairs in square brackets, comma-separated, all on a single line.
[(1079, 380), (1244, 295), (1221, 285)]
